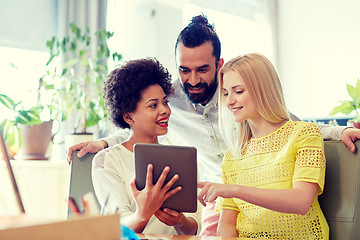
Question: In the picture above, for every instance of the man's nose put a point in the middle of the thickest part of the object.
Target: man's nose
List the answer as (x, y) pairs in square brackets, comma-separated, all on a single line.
[(194, 79)]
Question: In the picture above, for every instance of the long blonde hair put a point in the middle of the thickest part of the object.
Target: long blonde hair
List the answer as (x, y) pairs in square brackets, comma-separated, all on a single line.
[(263, 84)]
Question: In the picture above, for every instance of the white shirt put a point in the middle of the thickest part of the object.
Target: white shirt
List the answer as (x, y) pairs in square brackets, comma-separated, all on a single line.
[(197, 125), (112, 171)]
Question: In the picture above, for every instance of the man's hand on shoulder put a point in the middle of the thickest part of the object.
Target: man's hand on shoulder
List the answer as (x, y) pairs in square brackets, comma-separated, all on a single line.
[(349, 136), (85, 147)]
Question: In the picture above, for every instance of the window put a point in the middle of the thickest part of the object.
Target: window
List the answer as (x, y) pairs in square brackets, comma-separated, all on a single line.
[(240, 31), (23, 53), (243, 26), (21, 70)]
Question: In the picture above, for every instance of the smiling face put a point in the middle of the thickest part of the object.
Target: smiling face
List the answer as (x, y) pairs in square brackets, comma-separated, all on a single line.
[(150, 119), (237, 98), (198, 71)]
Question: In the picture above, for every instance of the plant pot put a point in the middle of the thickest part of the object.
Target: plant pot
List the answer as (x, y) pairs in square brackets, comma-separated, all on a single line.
[(35, 141)]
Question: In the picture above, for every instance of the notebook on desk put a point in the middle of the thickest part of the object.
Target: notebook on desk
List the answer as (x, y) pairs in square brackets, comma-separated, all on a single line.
[(5, 156)]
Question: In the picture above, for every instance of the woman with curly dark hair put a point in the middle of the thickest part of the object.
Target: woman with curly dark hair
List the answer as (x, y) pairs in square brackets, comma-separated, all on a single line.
[(136, 96)]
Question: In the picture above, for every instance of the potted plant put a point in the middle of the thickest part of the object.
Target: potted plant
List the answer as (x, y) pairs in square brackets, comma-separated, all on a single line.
[(80, 77), (349, 106), (28, 131)]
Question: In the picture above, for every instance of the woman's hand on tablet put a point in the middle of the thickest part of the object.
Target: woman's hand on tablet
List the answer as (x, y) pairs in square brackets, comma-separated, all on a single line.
[(169, 217), (150, 199), (184, 225)]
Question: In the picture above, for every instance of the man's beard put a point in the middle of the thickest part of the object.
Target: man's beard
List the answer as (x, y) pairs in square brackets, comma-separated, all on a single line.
[(205, 96)]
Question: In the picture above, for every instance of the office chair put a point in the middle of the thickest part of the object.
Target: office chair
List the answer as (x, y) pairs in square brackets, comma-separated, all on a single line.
[(340, 201), (80, 178)]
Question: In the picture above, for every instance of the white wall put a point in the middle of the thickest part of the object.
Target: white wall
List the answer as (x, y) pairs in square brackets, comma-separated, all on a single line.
[(146, 28), (319, 50), (169, 24)]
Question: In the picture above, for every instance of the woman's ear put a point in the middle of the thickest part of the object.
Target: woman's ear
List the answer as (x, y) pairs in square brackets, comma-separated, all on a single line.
[(128, 118)]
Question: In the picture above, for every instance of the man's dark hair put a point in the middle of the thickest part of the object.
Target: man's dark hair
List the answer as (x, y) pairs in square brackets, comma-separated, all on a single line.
[(124, 86), (197, 32)]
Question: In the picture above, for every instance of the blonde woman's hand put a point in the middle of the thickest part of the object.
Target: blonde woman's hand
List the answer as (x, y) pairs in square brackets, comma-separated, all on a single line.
[(210, 191)]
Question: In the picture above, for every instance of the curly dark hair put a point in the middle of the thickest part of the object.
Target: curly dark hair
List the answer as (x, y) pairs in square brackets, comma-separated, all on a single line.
[(197, 32), (123, 88)]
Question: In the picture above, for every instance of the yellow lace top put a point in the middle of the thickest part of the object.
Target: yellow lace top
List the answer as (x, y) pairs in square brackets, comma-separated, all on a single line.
[(294, 152)]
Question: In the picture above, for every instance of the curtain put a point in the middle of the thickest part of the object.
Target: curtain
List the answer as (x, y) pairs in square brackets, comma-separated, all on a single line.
[(271, 7), (91, 13)]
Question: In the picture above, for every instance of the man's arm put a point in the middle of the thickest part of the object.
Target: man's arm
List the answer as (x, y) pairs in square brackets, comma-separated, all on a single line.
[(348, 135), (96, 146), (118, 137), (330, 132)]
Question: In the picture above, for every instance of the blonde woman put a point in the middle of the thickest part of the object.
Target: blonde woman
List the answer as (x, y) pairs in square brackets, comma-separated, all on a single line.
[(274, 169)]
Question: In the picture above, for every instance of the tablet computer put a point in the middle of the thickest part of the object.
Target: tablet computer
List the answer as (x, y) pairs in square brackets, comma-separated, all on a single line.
[(182, 160)]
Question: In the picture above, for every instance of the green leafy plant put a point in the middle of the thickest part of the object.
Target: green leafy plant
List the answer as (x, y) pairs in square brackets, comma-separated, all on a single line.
[(349, 106), (80, 77), (14, 113)]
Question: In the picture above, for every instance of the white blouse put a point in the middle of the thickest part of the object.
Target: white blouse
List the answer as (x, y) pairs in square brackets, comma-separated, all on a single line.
[(112, 171)]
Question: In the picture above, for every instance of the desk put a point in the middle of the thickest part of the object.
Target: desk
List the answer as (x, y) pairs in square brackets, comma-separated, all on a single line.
[(43, 185), (189, 237)]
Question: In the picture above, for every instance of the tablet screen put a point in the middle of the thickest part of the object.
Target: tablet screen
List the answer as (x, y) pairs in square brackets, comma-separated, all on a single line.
[(181, 160)]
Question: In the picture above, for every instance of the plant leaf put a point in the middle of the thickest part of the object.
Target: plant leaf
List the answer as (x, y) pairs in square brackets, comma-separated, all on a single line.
[(7, 102), (29, 117), (346, 107), (357, 88), (351, 90), (117, 56)]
